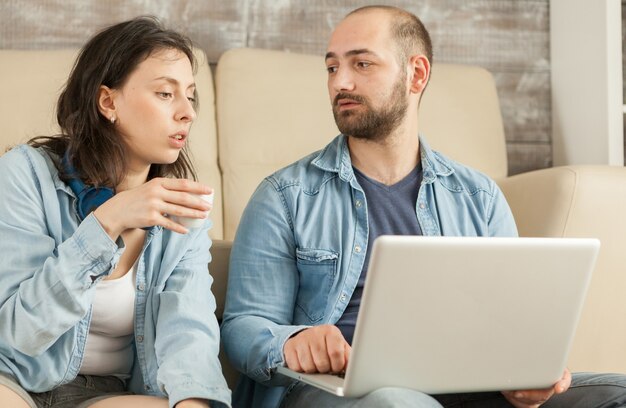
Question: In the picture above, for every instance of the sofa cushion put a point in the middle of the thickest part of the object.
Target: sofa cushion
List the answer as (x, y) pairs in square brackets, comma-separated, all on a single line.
[(273, 109)]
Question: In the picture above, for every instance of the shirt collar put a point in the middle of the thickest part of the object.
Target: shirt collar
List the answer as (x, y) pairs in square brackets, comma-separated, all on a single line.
[(335, 158)]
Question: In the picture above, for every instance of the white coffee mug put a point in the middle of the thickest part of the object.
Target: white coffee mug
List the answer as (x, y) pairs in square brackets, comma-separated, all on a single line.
[(189, 222)]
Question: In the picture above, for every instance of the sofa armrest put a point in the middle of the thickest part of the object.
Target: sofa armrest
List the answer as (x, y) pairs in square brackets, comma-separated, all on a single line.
[(540, 200), (583, 201)]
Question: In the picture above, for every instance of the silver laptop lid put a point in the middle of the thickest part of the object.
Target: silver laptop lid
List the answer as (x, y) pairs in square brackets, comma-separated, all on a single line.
[(456, 314)]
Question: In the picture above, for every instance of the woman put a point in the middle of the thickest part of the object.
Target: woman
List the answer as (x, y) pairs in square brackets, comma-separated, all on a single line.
[(105, 300)]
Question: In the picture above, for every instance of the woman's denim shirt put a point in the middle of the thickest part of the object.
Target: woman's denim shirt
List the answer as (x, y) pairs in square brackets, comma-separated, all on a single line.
[(50, 265), (300, 248)]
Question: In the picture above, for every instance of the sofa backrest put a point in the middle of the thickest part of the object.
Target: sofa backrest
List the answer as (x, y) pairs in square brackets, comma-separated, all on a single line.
[(33, 80), (273, 108)]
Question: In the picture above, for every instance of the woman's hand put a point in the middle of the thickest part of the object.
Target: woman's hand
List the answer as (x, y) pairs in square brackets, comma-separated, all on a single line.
[(149, 204)]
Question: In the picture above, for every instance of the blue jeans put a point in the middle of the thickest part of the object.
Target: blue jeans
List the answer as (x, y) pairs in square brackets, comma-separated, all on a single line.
[(588, 390), (84, 391)]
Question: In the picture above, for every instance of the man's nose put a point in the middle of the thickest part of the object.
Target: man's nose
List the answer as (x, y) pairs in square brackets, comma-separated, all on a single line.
[(343, 80)]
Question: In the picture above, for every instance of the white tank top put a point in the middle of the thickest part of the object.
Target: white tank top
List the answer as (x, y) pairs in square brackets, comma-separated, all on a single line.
[(109, 348)]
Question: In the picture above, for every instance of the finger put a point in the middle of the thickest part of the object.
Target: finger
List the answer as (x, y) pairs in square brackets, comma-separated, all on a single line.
[(509, 397), (185, 199), (518, 403), (521, 403), (533, 397), (319, 353), (564, 383), (184, 185), (172, 225), (336, 353), (347, 352), (305, 359), (291, 359), (180, 211)]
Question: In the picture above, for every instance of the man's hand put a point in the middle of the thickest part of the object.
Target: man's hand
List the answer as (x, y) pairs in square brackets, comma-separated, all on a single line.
[(534, 398), (319, 349), (193, 403)]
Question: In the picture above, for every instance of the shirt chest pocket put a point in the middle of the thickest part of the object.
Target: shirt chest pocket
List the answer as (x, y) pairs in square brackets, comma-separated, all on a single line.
[(317, 269)]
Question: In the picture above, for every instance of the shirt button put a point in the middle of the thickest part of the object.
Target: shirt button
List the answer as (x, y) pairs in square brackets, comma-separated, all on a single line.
[(140, 339), (422, 206), (141, 287), (357, 249), (343, 297), (358, 203)]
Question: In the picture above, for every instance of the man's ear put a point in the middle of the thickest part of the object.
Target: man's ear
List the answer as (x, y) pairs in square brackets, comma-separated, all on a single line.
[(419, 73), (106, 103)]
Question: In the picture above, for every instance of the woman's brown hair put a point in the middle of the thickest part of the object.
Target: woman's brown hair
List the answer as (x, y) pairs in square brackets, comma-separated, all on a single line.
[(89, 139)]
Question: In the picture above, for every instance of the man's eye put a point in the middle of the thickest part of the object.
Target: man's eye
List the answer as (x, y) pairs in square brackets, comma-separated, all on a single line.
[(165, 95), (331, 70), (364, 64)]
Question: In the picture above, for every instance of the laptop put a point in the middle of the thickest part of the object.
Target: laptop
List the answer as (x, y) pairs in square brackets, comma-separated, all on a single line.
[(465, 314)]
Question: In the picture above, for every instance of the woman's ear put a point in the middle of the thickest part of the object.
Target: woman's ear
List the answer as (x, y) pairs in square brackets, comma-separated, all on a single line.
[(106, 103), (420, 69)]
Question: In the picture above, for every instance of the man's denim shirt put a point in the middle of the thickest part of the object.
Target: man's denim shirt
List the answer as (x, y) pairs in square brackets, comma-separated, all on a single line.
[(48, 274), (301, 243)]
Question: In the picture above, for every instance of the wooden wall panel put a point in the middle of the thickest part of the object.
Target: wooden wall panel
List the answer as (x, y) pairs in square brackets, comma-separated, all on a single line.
[(624, 52), (508, 37), (496, 34), (624, 68), (525, 157), (214, 25), (525, 104)]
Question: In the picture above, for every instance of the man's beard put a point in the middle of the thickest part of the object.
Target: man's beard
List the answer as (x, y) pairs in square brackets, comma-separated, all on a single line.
[(373, 124)]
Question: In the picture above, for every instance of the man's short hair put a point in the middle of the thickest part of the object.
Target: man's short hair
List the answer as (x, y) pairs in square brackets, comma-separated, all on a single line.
[(407, 30)]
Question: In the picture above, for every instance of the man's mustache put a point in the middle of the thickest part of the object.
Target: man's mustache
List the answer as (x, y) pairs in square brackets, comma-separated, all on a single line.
[(353, 97)]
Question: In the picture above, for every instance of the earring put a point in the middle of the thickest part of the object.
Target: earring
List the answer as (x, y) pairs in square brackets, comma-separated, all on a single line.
[(113, 120)]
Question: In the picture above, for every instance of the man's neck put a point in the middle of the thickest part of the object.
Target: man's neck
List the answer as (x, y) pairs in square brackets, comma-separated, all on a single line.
[(389, 160)]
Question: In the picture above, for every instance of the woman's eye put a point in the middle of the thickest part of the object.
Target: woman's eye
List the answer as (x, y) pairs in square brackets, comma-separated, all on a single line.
[(165, 95), (191, 99)]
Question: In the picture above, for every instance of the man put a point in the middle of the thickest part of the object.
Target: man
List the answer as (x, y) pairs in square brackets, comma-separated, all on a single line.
[(300, 257)]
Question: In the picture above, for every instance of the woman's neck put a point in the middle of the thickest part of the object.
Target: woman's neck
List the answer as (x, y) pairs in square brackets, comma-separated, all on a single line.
[(134, 178)]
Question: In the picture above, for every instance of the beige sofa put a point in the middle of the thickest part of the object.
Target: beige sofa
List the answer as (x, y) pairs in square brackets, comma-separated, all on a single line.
[(270, 108)]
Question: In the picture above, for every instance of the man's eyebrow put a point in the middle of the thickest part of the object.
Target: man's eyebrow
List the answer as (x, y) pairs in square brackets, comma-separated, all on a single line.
[(351, 53), (173, 81)]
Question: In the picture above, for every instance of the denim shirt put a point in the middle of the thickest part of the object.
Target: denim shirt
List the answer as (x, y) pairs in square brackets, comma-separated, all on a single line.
[(51, 263), (301, 244)]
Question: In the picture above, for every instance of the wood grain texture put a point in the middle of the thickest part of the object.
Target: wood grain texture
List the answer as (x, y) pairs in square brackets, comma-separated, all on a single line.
[(525, 157), (525, 105), (496, 34), (624, 52), (508, 37), (623, 68), (214, 25)]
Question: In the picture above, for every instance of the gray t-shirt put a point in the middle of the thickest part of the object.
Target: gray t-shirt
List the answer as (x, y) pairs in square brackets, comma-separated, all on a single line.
[(390, 211)]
